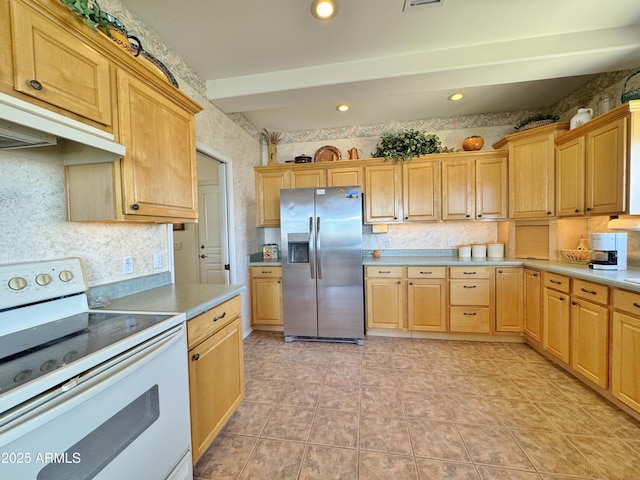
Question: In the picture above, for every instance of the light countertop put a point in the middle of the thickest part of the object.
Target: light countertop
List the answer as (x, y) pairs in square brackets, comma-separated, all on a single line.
[(191, 299), (613, 278)]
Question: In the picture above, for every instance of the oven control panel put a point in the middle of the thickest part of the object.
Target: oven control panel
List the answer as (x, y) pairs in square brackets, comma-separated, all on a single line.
[(25, 283)]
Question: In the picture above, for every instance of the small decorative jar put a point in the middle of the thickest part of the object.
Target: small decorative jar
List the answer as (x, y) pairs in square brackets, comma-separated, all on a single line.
[(583, 116)]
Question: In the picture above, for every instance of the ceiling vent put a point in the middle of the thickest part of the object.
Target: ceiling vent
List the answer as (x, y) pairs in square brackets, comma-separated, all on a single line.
[(420, 3)]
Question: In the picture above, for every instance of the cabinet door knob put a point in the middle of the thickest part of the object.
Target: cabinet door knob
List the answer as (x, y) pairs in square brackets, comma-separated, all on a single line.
[(479, 215), (215, 319), (589, 209), (35, 84), (135, 207), (196, 357), (410, 283), (574, 303), (577, 210), (203, 256), (500, 271), (399, 282)]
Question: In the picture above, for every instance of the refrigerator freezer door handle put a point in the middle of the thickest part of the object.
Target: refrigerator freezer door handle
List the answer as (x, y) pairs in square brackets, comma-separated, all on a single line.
[(312, 247), (318, 249)]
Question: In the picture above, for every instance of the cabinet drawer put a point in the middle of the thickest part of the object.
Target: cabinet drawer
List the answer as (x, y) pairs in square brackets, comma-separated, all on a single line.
[(469, 272), (557, 282), (209, 322), (427, 272), (626, 301), (469, 292), (266, 272), (593, 292), (469, 320), (384, 271)]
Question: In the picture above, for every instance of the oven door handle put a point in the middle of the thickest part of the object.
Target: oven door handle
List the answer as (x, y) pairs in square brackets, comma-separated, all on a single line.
[(78, 389)]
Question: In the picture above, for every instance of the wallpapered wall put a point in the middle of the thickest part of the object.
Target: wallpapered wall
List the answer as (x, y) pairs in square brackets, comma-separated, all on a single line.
[(32, 199), (32, 195)]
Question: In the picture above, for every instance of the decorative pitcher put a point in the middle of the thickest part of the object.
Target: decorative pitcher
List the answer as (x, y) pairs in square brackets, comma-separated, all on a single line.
[(583, 116), (353, 153)]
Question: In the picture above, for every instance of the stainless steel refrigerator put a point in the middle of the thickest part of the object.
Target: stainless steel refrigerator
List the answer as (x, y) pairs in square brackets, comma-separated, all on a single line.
[(321, 251)]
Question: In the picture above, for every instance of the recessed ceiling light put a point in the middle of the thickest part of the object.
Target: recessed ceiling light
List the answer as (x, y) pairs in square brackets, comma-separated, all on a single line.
[(324, 9), (343, 107), (456, 96)]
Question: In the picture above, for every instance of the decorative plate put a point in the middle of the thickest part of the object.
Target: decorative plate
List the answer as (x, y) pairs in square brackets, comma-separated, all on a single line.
[(327, 154), (162, 68)]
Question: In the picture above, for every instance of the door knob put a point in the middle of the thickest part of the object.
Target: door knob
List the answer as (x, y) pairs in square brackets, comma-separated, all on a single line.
[(203, 256), (202, 246)]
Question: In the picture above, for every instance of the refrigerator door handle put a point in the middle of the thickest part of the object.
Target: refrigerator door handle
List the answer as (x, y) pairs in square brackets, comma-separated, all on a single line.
[(312, 248), (318, 250)]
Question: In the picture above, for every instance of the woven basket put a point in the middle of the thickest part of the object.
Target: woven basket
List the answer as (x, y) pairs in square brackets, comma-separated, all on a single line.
[(539, 123), (631, 88)]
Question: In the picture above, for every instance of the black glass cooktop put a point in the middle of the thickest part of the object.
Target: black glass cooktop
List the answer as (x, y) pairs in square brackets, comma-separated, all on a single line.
[(34, 352)]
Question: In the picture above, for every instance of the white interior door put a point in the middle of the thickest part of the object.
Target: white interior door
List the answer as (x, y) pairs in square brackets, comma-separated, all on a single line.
[(211, 238)]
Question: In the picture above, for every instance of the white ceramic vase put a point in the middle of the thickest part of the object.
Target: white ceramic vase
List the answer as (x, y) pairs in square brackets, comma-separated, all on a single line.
[(583, 116)]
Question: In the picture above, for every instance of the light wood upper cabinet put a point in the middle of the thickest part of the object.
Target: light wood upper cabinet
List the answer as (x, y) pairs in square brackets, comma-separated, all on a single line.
[(532, 171), (592, 165), (311, 178), (491, 187), (383, 193), (570, 177), (606, 161), (475, 188), (55, 66), (458, 190), (345, 176), (421, 191), (268, 185), (159, 169), (156, 180)]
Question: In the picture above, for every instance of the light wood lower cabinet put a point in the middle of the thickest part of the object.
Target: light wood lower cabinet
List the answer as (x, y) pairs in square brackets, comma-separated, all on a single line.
[(509, 304), (385, 293), (427, 299), (470, 299), (556, 316), (625, 348), (590, 331), (216, 371), (532, 304), (266, 295)]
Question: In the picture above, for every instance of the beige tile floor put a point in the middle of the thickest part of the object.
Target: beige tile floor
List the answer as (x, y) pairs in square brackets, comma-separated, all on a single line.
[(417, 409)]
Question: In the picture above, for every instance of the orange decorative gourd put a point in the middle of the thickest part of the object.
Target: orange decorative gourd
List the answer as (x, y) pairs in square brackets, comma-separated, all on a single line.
[(473, 142)]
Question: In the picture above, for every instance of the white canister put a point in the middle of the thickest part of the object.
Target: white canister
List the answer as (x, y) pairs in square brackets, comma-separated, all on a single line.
[(464, 251), (495, 250), (478, 251)]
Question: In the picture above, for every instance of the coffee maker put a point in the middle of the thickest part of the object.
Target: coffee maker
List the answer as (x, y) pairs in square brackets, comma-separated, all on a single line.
[(609, 251)]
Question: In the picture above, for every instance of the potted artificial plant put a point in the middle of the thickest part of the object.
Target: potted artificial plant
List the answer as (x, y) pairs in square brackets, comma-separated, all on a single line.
[(403, 146)]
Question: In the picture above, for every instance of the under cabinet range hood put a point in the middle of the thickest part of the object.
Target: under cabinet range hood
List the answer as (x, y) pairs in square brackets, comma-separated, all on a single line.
[(23, 125)]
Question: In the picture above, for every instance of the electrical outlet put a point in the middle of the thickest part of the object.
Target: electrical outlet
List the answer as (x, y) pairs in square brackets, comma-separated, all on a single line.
[(127, 265), (157, 260), (450, 242), (387, 243), (177, 246)]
